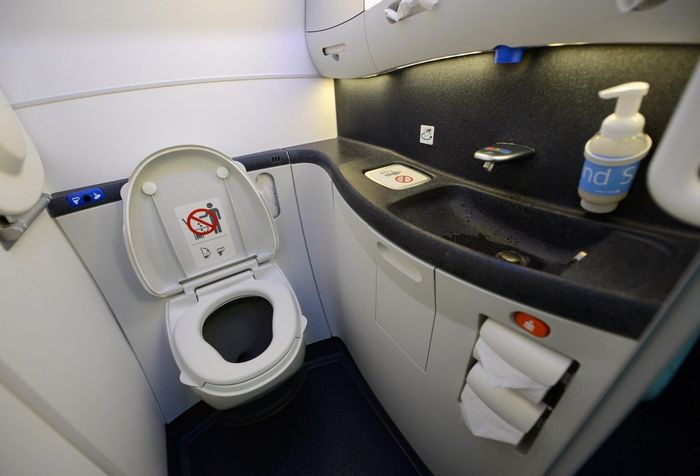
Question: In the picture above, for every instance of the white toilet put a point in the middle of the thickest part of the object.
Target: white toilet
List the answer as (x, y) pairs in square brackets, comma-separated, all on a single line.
[(199, 234)]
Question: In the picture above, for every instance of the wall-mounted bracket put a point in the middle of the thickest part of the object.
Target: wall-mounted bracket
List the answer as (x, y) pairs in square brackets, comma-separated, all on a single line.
[(12, 228)]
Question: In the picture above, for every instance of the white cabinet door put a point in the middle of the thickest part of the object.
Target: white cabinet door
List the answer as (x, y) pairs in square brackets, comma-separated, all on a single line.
[(405, 307), (382, 288)]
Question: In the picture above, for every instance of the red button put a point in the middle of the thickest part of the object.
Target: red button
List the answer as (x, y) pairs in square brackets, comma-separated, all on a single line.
[(531, 324)]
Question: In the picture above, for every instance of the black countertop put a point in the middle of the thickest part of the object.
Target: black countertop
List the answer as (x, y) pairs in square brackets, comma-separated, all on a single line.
[(586, 295), (589, 293)]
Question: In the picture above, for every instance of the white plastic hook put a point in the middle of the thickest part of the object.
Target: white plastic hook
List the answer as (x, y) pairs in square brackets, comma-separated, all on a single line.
[(627, 6), (397, 11)]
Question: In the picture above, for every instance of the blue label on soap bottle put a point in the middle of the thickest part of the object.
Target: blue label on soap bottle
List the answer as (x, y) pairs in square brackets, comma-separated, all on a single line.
[(606, 180)]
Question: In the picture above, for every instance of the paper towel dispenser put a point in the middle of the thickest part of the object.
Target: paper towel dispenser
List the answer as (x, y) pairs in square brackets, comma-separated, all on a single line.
[(375, 43), (513, 386)]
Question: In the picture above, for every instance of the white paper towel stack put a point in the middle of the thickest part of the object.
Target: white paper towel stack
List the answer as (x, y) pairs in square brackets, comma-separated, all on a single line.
[(502, 397)]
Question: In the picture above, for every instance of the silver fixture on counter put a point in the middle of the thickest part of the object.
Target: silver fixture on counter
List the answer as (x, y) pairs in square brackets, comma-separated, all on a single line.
[(501, 152)]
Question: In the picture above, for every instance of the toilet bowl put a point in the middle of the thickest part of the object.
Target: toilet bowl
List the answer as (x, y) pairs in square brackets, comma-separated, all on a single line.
[(199, 234)]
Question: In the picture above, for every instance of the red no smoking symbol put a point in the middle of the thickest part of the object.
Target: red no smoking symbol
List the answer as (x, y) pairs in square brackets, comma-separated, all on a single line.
[(198, 225), (404, 178)]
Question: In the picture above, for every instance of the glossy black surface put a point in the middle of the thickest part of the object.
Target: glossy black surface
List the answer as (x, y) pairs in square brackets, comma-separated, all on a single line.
[(630, 270), (547, 240), (549, 101), (619, 287)]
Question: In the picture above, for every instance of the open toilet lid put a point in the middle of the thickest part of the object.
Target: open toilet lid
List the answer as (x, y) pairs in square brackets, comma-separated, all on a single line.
[(189, 211)]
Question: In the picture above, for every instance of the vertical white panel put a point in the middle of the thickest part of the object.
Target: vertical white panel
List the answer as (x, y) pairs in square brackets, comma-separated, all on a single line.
[(314, 191), (405, 299), (61, 348), (30, 446), (292, 257), (140, 315)]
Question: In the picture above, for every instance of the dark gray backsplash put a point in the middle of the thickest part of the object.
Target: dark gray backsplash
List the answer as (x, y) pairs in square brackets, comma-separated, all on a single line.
[(548, 101)]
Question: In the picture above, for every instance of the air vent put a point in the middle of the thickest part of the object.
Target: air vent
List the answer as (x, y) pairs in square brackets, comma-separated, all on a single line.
[(276, 159)]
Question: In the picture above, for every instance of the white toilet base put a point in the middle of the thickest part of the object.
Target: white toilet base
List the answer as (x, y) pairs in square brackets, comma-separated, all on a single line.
[(226, 397)]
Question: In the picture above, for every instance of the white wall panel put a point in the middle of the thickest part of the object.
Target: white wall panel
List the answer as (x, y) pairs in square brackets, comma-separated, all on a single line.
[(101, 85), (54, 47), (62, 352), (102, 138), (25, 436)]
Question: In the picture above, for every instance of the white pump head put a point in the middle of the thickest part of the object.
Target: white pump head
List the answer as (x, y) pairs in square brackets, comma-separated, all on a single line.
[(626, 121)]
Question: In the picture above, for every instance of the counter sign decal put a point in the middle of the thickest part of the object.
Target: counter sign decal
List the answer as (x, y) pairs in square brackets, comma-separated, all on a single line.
[(206, 232), (403, 178)]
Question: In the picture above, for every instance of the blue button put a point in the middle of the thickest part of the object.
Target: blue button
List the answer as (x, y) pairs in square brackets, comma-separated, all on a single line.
[(506, 54), (75, 199), (85, 197)]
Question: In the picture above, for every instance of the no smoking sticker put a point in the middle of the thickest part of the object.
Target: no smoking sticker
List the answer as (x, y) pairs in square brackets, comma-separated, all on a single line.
[(202, 221), (206, 232)]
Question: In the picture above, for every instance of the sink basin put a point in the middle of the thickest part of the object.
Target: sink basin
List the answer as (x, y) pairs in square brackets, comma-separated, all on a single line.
[(526, 235)]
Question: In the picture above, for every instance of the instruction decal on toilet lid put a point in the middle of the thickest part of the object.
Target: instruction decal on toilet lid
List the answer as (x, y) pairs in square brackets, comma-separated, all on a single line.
[(206, 231), (202, 221)]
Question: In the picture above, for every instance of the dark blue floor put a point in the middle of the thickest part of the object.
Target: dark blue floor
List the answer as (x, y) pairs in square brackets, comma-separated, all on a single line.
[(326, 421), (323, 421), (660, 437)]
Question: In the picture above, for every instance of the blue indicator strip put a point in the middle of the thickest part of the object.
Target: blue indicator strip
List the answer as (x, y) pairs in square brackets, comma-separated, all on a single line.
[(85, 197)]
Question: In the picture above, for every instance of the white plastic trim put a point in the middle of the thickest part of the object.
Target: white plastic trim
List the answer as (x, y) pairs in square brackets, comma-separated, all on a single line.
[(24, 103), (21, 170), (674, 174)]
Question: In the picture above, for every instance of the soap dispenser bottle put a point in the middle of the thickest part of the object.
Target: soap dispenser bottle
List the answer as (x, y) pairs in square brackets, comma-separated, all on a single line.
[(613, 154)]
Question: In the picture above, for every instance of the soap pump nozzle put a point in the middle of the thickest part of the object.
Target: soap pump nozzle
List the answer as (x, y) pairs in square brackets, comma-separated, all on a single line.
[(626, 121)]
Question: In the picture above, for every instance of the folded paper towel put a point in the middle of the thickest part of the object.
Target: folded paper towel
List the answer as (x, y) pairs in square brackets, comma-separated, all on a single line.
[(496, 413), (484, 423), (501, 374), (539, 363)]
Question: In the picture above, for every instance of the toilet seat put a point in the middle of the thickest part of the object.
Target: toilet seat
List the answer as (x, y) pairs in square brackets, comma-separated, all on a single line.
[(202, 364), (198, 233)]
